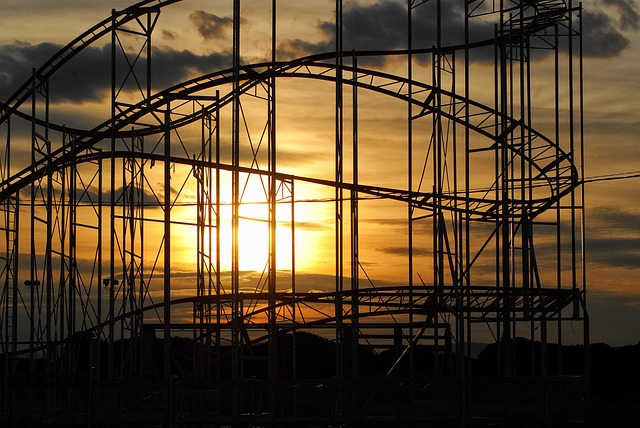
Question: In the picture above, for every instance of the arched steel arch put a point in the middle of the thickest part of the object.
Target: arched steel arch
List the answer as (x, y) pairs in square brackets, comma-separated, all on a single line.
[(535, 191)]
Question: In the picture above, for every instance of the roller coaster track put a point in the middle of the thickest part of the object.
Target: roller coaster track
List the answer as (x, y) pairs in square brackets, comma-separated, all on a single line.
[(509, 205), (554, 166), (555, 169)]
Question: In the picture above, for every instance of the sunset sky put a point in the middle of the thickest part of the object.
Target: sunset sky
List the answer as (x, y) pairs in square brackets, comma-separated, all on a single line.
[(193, 38)]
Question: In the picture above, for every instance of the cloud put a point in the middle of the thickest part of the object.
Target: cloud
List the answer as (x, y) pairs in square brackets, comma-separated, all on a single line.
[(382, 26), (17, 61), (604, 23), (628, 15), (211, 26), (169, 35), (171, 66), (610, 241), (613, 219), (614, 251), (404, 251), (601, 38), (87, 76)]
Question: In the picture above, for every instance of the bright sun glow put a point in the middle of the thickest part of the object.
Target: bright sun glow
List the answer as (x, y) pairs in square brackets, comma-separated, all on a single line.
[(253, 232)]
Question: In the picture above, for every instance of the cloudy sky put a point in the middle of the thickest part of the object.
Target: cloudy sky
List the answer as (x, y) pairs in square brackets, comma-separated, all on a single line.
[(194, 38)]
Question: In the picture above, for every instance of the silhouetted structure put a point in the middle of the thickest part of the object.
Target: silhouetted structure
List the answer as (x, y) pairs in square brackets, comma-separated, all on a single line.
[(92, 290)]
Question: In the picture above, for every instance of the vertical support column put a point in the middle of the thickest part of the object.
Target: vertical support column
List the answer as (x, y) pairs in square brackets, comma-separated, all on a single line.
[(466, 267), (202, 174), (502, 177), (166, 306), (41, 188), (166, 318), (198, 315), (574, 156), (586, 333), (49, 230), (218, 279), (558, 204), (235, 211), (65, 261), (294, 308), (32, 256), (100, 261), (109, 282), (142, 279), (272, 219), (355, 252), (410, 176), (438, 164), (9, 210), (339, 231), (72, 253)]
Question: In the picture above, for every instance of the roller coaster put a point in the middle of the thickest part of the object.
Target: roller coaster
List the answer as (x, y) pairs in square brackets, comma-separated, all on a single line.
[(129, 291)]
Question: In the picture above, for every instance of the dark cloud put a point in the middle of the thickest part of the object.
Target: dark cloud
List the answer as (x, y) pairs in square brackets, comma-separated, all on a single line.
[(614, 251), (211, 26), (295, 48), (90, 196), (601, 37), (612, 219), (169, 35), (17, 61), (404, 251), (87, 76), (382, 26), (374, 27), (628, 15), (147, 196), (604, 23), (609, 241), (172, 67)]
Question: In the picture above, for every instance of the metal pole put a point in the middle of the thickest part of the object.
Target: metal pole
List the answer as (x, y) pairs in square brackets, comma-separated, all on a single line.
[(112, 208), (235, 209), (167, 247), (272, 162), (410, 178), (558, 204), (33, 272), (339, 286), (166, 317), (218, 288), (355, 251)]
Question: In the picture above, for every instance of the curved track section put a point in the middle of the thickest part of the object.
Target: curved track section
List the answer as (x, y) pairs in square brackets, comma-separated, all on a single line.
[(555, 173)]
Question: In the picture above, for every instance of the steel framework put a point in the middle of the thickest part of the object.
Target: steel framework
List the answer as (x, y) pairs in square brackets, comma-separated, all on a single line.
[(95, 312)]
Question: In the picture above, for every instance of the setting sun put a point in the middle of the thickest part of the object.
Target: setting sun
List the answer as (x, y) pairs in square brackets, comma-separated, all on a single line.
[(293, 233)]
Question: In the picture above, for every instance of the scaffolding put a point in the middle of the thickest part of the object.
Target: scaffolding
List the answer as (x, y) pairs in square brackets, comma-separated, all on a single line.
[(100, 325)]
